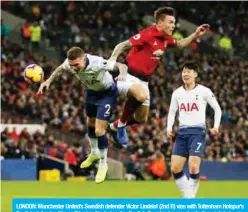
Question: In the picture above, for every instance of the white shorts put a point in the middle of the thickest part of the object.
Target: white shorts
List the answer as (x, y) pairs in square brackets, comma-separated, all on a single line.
[(123, 87)]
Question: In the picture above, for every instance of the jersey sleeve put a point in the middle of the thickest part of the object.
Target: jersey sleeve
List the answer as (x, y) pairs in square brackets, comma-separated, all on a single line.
[(211, 100), (171, 41), (172, 112), (65, 65), (107, 65), (139, 39)]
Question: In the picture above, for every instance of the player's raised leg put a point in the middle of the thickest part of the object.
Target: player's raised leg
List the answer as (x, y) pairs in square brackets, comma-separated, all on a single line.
[(137, 95), (135, 112), (140, 115)]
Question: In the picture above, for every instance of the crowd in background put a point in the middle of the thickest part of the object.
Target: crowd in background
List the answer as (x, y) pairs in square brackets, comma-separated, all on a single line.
[(106, 23), (61, 109)]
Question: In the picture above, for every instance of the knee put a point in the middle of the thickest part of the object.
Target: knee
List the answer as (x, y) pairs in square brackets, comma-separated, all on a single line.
[(100, 131), (194, 168), (142, 97), (176, 168), (138, 92)]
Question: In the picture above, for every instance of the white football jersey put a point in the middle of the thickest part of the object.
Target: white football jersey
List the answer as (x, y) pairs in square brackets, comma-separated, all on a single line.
[(95, 76), (192, 107)]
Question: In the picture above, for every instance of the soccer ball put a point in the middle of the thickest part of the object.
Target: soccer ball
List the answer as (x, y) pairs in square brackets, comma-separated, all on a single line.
[(33, 73)]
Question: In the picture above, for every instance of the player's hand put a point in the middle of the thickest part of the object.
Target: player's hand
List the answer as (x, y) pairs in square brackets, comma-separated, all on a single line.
[(121, 77), (214, 131), (43, 86), (201, 30), (169, 135)]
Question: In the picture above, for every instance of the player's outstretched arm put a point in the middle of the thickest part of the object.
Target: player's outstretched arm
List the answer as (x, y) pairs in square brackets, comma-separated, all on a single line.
[(119, 48), (217, 112), (200, 31), (171, 116), (45, 85), (123, 69)]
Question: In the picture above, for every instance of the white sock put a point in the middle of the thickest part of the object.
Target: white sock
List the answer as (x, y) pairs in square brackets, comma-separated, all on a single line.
[(193, 187), (121, 124), (104, 156), (94, 146), (112, 127), (183, 185)]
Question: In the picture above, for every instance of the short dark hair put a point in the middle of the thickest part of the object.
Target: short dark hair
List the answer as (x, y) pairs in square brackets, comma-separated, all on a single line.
[(191, 65), (74, 53), (161, 12)]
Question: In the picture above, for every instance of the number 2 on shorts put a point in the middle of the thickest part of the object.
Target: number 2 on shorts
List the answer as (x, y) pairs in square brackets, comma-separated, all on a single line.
[(108, 107)]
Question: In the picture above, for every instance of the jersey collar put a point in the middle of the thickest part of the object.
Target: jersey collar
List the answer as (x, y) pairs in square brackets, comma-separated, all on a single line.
[(192, 88), (158, 33), (87, 61)]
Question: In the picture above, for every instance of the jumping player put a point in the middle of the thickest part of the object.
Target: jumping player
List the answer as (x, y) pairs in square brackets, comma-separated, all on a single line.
[(147, 47), (101, 95)]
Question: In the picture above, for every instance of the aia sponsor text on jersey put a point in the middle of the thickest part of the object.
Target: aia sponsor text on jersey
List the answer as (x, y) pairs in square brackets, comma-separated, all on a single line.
[(188, 107)]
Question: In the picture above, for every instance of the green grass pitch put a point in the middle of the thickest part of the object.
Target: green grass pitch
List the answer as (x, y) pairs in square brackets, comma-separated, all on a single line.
[(116, 189)]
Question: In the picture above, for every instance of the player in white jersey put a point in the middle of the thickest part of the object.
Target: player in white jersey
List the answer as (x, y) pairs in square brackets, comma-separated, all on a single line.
[(101, 96), (191, 100)]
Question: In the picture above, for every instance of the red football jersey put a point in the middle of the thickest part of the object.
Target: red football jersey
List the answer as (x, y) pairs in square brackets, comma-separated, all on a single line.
[(140, 58)]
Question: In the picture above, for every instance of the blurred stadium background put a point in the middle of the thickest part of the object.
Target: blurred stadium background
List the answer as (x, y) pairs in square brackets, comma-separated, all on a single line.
[(49, 133)]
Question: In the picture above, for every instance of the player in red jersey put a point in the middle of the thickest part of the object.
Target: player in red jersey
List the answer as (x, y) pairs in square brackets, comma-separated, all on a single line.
[(147, 47)]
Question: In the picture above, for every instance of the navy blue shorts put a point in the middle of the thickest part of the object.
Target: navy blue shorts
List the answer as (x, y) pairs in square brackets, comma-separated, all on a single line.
[(190, 142), (100, 104)]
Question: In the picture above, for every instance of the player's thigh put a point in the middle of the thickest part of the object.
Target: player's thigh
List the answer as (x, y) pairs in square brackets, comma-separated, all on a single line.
[(141, 114), (177, 163), (180, 147), (139, 92), (104, 112), (105, 108), (197, 145), (107, 103), (179, 153), (91, 113), (101, 126), (134, 87), (194, 164)]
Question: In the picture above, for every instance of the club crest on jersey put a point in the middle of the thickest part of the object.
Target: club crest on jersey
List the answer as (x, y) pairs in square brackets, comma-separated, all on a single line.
[(189, 107), (157, 54)]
